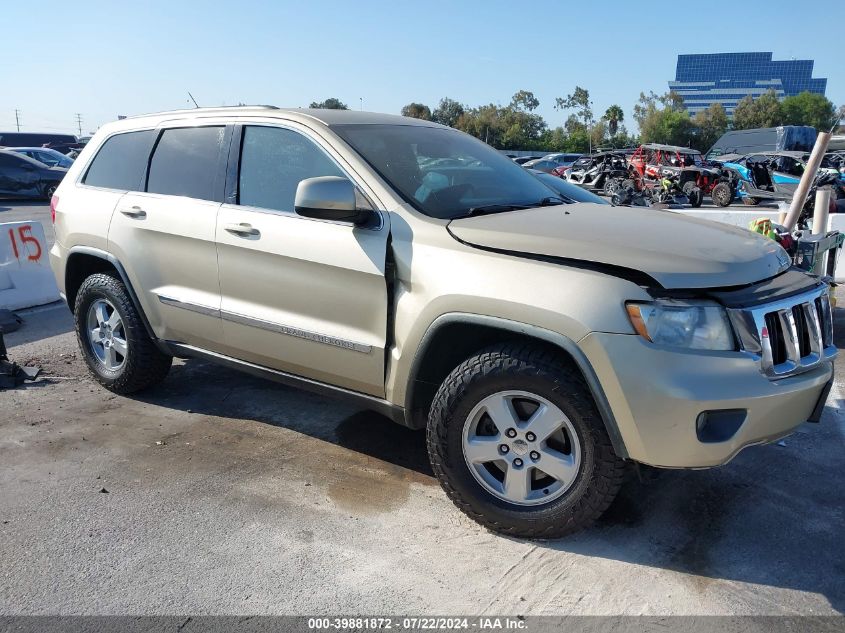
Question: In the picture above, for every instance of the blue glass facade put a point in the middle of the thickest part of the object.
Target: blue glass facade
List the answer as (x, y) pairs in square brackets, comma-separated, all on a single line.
[(728, 77)]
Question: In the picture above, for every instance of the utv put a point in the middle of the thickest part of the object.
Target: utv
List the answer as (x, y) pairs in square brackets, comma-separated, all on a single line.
[(696, 178), (598, 172)]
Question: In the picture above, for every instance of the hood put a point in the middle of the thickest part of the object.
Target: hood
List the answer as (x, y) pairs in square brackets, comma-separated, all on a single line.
[(676, 250)]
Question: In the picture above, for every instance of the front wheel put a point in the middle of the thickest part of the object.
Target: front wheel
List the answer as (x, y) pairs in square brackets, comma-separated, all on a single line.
[(117, 349), (516, 441)]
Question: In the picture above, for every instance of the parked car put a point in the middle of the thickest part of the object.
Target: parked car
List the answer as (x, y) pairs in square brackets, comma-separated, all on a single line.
[(521, 160), (568, 192), (563, 160), (545, 347), (541, 164), (21, 176), (49, 157), (62, 143)]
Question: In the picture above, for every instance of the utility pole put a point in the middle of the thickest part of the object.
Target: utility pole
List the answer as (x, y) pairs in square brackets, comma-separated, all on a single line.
[(18, 119), (79, 122)]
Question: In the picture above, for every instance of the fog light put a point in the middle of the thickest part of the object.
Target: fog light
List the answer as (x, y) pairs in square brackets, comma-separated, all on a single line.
[(720, 425)]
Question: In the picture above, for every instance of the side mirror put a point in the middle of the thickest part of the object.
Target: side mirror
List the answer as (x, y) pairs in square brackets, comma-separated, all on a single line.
[(329, 198)]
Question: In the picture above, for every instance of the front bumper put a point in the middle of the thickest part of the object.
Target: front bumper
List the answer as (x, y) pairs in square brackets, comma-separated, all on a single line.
[(656, 396)]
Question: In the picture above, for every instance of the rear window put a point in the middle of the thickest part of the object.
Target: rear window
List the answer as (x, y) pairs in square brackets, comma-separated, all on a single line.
[(185, 162), (121, 161)]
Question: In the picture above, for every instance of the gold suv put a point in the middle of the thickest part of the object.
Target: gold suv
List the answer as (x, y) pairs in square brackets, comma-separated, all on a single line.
[(545, 344)]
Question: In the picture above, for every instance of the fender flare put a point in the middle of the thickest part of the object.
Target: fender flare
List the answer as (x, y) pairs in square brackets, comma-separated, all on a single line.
[(559, 340), (104, 255)]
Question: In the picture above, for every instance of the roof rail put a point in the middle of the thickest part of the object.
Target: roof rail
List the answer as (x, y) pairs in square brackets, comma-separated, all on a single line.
[(211, 109)]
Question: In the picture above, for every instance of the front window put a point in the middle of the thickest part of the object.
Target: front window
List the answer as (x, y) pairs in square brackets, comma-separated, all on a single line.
[(444, 173)]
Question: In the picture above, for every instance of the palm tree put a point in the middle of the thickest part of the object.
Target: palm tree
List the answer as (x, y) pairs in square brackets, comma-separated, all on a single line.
[(614, 116)]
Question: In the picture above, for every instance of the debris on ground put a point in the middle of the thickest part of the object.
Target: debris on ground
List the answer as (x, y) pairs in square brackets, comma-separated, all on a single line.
[(12, 374)]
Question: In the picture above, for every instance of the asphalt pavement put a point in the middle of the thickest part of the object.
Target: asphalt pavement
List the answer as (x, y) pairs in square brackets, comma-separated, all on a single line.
[(220, 493)]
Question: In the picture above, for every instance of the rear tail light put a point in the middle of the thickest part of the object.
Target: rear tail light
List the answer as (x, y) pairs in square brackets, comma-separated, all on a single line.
[(54, 203)]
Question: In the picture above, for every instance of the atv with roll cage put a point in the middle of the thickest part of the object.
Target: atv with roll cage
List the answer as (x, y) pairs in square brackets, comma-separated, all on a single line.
[(695, 177), (598, 172)]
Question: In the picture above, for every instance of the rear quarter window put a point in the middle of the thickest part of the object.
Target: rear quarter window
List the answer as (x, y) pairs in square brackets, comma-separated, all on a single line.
[(120, 162)]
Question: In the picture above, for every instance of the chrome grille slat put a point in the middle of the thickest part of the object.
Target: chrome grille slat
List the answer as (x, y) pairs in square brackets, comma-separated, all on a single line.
[(790, 331), (789, 336)]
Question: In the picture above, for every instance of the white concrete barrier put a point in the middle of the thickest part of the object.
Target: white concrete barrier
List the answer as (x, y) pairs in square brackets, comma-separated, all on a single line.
[(835, 222), (25, 276)]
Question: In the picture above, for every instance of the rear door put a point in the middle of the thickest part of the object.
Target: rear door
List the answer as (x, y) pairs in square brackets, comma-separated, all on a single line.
[(300, 295), (164, 234)]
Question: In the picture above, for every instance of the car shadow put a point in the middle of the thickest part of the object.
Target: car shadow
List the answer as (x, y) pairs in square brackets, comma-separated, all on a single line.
[(772, 517), (209, 389)]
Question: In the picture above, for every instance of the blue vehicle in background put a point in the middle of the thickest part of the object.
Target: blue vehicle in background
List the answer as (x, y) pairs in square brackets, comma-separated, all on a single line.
[(769, 176)]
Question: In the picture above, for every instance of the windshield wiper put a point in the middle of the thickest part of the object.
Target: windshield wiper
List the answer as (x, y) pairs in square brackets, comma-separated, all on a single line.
[(494, 208), (548, 201)]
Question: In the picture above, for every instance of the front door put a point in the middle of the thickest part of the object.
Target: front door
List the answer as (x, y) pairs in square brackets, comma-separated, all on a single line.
[(304, 296)]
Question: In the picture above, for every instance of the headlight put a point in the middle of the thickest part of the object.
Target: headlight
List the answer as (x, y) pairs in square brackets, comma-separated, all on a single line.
[(692, 325)]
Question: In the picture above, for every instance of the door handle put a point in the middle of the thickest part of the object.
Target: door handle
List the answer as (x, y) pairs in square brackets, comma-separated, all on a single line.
[(243, 229), (136, 213)]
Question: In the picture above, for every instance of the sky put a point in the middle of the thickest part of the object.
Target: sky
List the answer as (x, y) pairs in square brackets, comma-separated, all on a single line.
[(104, 59)]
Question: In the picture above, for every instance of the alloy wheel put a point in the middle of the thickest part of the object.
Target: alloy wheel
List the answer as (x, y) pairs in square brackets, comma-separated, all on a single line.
[(521, 448)]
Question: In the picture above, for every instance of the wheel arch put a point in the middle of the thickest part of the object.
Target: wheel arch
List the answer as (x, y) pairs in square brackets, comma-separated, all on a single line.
[(84, 261), (454, 337)]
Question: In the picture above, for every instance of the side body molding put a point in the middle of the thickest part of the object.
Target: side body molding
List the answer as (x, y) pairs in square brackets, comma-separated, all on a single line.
[(524, 329)]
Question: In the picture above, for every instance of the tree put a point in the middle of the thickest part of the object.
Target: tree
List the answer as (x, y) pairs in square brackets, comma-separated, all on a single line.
[(667, 124), (709, 125), (808, 108), (330, 104), (447, 112), (417, 111), (525, 100), (764, 111), (578, 101), (614, 116)]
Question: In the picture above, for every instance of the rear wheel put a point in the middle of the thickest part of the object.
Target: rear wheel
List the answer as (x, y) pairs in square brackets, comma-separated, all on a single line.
[(118, 351), (610, 186), (722, 194), (48, 190), (517, 443), (693, 194)]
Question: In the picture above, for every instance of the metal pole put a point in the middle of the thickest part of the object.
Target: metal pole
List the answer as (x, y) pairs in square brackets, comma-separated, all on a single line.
[(810, 170), (17, 119)]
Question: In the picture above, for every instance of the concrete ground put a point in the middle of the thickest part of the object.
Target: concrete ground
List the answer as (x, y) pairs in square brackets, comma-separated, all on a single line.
[(219, 493)]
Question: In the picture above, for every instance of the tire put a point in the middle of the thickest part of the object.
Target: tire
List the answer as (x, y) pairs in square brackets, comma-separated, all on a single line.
[(49, 189), (124, 359), (722, 194), (693, 194), (516, 373), (610, 186), (628, 184), (750, 202)]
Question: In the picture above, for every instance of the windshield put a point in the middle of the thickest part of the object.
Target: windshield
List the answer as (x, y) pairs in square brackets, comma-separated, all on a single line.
[(444, 173)]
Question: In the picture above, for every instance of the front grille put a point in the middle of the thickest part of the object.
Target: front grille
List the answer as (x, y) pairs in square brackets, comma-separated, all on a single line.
[(788, 336)]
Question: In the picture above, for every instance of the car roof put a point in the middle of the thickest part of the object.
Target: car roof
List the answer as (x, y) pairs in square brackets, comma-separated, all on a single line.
[(328, 117), (34, 149), (671, 148), (10, 150)]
